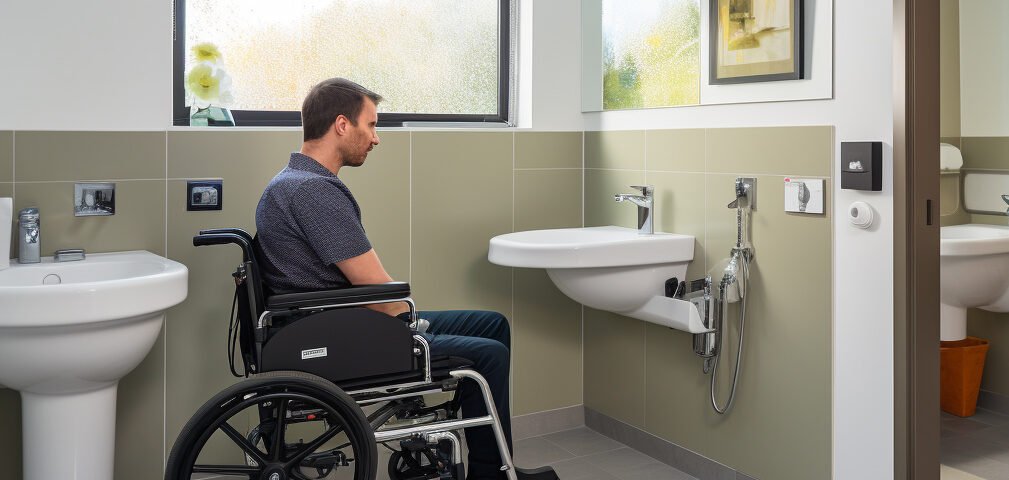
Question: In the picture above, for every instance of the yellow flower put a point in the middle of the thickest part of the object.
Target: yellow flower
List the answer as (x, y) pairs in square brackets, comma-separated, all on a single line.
[(207, 83), (207, 52)]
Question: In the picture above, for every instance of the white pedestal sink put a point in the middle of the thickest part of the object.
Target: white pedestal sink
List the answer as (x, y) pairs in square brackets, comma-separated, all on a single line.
[(68, 332), (608, 268), (973, 273)]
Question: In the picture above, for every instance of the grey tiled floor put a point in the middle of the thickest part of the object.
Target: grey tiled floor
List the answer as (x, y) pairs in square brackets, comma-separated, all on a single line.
[(978, 445), (579, 454)]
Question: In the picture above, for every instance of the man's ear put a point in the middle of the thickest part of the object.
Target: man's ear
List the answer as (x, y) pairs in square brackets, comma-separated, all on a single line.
[(340, 125)]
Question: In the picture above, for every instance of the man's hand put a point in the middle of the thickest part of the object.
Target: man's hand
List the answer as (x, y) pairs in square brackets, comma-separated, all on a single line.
[(367, 269)]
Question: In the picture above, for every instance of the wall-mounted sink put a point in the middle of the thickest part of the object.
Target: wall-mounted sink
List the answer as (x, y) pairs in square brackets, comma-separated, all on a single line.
[(608, 268), (973, 273), (69, 331)]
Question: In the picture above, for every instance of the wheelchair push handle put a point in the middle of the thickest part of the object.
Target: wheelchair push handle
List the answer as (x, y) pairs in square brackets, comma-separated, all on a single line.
[(224, 238)]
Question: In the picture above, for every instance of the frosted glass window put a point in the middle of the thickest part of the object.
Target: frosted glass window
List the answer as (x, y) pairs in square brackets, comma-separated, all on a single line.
[(423, 56), (651, 53)]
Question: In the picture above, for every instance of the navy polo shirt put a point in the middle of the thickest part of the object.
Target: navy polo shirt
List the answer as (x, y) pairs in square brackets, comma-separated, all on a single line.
[(307, 221)]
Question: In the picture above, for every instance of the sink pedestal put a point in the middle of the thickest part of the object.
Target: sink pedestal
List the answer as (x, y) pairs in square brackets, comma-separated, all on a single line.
[(70, 435)]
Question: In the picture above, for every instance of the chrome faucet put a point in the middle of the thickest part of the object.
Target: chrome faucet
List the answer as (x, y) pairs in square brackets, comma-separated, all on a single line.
[(1005, 198), (29, 235), (646, 206)]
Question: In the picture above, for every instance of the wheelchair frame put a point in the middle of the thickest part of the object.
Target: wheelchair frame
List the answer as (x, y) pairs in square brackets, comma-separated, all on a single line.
[(256, 304)]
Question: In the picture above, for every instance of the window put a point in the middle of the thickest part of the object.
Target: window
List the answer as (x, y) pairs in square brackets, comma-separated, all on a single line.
[(432, 60)]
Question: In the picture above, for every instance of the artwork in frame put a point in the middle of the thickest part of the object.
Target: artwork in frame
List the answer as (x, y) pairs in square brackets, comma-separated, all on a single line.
[(755, 41)]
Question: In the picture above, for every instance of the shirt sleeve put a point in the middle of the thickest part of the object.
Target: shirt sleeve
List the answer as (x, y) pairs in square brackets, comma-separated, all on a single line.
[(329, 221)]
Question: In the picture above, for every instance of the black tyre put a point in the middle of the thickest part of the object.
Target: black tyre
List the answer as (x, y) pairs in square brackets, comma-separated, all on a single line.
[(340, 445)]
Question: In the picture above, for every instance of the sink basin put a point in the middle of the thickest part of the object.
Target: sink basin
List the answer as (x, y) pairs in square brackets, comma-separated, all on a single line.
[(68, 333), (608, 268), (973, 273)]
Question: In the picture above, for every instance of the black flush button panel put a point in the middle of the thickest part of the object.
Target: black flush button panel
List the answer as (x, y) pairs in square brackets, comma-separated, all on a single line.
[(862, 166), (204, 195)]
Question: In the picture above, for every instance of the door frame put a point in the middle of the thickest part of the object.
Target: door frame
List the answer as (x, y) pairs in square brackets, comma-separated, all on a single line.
[(916, 238)]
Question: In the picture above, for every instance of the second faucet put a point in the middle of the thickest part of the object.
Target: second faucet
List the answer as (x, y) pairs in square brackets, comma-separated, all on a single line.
[(646, 206)]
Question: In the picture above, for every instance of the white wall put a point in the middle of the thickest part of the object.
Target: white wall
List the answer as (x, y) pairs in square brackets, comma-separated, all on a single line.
[(862, 110), (984, 99), (85, 65)]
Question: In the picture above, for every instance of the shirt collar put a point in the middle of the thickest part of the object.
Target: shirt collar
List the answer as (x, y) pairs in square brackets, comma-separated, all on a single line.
[(300, 161)]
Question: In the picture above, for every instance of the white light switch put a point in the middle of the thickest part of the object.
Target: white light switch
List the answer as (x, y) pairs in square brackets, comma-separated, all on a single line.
[(804, 195)]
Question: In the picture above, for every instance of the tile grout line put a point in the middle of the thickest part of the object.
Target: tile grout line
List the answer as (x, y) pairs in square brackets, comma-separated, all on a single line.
[(581, 308), (164, 365), (409, 235), (511, 358), (644, 336)]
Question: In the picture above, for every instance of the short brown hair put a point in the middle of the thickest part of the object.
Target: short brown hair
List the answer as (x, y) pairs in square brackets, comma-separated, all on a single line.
[(330, 99)]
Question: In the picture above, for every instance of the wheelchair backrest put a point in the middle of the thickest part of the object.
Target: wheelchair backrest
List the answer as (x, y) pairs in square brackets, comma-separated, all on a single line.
[(250, 298)]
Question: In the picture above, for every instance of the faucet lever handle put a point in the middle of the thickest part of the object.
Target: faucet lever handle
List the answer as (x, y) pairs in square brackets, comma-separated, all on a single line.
[(1005, 198), (644, 189)]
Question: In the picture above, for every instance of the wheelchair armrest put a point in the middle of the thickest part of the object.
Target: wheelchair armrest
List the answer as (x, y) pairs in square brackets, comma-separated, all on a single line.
[(356, 294)]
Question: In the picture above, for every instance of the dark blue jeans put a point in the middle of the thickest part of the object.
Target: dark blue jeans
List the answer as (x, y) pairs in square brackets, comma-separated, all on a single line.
[(483, 338)]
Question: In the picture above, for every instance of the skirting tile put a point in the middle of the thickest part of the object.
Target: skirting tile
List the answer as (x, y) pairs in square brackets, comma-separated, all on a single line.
[(667, 452)]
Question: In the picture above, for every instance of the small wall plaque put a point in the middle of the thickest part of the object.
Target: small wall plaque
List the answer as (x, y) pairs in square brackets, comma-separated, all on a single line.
[(94, 199)]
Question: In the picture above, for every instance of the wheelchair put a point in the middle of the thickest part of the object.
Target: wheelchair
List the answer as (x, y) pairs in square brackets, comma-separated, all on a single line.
[(314, 364)]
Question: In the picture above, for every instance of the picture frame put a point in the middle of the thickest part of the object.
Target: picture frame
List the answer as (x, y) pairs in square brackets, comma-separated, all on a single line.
[(755, 41)]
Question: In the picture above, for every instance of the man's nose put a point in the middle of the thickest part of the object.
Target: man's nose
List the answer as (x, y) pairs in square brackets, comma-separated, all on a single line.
[(374, 139)]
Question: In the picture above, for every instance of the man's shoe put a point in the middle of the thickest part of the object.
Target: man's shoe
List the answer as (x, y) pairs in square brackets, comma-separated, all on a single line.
[(542, 473)]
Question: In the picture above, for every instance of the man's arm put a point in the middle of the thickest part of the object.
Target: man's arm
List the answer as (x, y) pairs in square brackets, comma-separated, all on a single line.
[(367, 269)]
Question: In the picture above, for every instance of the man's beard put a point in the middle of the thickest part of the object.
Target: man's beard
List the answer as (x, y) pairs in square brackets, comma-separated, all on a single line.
[(354, 160)]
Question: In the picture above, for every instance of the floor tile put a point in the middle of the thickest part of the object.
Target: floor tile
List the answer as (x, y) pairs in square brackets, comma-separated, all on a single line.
[(619, 461), (580, 469), (583, 441), (535, 452), (989, 417), (655, 471)]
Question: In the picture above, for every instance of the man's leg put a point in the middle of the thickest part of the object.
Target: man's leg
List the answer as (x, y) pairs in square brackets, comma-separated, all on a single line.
[(483, 338)]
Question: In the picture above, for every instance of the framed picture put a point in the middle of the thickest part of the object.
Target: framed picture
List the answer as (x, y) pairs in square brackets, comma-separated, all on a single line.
[(755, 41)]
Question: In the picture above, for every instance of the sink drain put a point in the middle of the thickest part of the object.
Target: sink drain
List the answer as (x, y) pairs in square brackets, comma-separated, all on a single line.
[(52, 279)]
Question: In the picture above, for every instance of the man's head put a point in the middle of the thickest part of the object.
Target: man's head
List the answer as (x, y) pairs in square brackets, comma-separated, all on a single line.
[(343, 112)]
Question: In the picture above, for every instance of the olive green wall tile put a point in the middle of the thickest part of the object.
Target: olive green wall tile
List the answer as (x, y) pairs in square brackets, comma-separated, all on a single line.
[(6, 156), (949, 194), (985, 152), (547, 345), (955, 141), (994, 327), (10, 433), (242, 155), (795, 151), (600, 208), (548, 150), (949, 67), (197, 329), (382, 189), (615, 149), (140, 406), (139, 222), (987, 219), (461, 197), (548, 199), (675, 150), (53, 156), (615, 366), (679, 208)]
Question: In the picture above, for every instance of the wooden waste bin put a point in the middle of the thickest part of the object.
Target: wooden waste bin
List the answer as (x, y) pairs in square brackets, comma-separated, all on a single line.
[(960, 366)]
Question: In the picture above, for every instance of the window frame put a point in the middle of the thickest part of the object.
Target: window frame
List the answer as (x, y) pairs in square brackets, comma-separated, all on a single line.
[(277, 118)]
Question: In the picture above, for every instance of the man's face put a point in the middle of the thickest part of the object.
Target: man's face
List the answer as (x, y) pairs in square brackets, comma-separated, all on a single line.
[(360, 138)]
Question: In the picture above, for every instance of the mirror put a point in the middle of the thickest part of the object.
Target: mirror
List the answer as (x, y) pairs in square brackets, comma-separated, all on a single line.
[(658, 53)]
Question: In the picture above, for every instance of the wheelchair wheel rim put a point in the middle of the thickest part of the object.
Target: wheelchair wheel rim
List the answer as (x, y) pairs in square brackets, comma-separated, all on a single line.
[(275, 460)]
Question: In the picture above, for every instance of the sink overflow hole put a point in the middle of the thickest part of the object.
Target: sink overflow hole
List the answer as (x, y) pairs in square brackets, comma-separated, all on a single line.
[(52, 279)]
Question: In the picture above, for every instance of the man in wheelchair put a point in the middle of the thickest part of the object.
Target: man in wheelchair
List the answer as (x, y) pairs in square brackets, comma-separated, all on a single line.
[(311, 240)]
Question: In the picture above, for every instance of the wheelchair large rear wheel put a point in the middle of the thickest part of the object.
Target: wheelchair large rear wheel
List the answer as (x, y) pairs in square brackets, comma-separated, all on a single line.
[(302, 428)]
